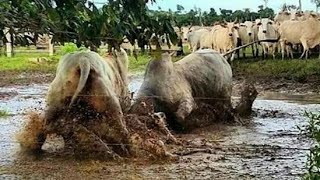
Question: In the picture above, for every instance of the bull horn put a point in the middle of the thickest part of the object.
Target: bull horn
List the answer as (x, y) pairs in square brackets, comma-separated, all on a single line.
[(235, 21), (224, 21)]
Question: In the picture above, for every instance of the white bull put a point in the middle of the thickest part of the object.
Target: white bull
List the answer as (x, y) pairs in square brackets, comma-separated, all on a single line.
[(305, 32), (225, 38), (247, 34), (266, 30)]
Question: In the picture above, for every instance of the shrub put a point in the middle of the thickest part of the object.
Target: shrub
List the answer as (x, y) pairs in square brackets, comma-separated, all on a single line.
[(312, 130), (70, 47)]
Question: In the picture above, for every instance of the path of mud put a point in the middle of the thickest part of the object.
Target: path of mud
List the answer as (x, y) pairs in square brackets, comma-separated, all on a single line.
[(269, 148)]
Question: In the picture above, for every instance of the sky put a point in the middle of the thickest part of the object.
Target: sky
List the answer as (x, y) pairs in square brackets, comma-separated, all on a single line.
[(205, 5)]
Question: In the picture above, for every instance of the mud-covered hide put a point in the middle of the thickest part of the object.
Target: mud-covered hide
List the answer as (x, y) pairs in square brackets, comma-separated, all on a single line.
[(149, 135), (88, 85), (248, 95), (93, 136), (178, 89)]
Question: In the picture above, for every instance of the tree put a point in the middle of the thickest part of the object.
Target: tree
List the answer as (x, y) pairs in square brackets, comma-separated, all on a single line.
[(180, 8), (82, 22), (300, 5), (266, 3), (317, 3), (226, 14), (265, 12)]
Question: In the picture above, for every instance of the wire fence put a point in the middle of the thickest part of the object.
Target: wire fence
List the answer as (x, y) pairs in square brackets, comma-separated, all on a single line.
[(222, 147)]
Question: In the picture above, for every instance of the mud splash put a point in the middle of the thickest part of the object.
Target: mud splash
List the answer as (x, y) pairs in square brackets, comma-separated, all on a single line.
[(269, 148)]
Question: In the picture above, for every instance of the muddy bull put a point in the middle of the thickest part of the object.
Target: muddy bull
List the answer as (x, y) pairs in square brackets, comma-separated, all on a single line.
[(181, 88), (86, 79)]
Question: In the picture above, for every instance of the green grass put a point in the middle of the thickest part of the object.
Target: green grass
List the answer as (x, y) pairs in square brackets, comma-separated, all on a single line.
[(139, 64), (3, 113), (298, 70), (21, 62)]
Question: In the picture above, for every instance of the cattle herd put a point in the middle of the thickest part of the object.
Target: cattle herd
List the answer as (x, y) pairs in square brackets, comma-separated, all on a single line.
[(89, 104), (296, 30), (90, 95)]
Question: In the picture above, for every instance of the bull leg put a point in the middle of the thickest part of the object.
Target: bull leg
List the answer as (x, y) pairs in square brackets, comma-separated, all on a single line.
[(264, 49), (305, 49), (252, 50), (282, 45), (244, 52), (185, 108), (232, 57), (319, 51), (105, 101), (274, 46), (194, 48)]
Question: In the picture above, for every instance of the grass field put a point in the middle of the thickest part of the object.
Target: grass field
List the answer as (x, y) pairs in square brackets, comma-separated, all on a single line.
[(298, 70)]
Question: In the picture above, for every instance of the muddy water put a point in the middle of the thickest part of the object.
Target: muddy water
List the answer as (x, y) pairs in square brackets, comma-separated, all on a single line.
[(268, 148)]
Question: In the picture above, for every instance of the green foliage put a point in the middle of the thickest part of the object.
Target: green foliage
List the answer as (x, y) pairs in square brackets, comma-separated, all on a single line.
[(313, 131), (297, 70), (25, 62), (194, 16), (138, 65), (3, 113), (316, 2), (82, 22), (69, 48)]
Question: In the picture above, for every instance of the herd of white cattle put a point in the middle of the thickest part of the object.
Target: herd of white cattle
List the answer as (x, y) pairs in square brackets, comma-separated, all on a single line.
[(292, 28)]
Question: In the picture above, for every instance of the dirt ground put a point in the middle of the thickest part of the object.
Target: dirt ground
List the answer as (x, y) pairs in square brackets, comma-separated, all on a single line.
[(270, 147)]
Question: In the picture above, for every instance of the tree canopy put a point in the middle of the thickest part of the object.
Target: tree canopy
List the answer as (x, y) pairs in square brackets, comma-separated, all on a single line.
[(82, 22)]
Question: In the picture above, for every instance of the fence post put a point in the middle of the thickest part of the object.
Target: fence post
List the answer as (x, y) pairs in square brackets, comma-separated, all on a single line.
[(9, 48), (51, 47)]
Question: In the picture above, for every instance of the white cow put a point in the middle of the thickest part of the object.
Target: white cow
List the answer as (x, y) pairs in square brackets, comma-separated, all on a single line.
[(266, 30), (248, 34), (206, 39), (305, 32), (194, 38), (225, 38)]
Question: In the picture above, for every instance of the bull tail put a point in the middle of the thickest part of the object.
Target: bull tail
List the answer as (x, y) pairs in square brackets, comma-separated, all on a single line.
[(84, 67), (249, 44)]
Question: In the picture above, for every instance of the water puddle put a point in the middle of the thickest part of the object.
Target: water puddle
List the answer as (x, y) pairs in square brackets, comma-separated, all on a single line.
[(269, 148)]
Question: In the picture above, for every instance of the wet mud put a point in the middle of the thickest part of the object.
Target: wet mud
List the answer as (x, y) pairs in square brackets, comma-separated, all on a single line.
[(269, 147)]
